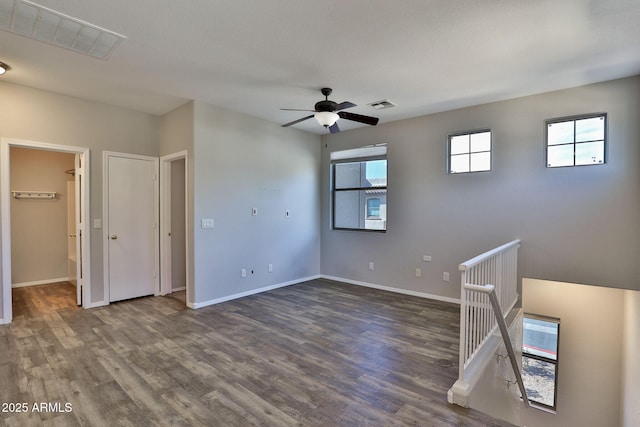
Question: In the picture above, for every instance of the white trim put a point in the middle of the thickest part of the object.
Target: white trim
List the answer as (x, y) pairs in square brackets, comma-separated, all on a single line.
[(250, 292), (392, 289), (39, 282), (184, 288), (5, 212), (105, 219)]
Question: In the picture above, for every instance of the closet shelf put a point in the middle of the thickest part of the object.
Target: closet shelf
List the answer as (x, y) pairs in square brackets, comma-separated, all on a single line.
[(33, 194)]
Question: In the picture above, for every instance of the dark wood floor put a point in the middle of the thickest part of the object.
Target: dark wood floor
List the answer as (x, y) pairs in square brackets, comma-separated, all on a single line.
[(314, 354)]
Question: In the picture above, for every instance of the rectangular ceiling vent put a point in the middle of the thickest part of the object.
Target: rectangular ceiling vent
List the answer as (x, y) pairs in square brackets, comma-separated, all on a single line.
[(39, 23), (381, 105)]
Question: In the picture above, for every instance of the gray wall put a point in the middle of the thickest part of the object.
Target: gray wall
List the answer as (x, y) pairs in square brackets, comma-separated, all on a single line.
[(242, 163), (31, 114), (576, 224)]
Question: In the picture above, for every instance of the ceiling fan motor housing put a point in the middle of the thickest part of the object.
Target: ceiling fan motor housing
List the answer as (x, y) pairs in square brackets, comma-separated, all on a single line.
[(326, 105)]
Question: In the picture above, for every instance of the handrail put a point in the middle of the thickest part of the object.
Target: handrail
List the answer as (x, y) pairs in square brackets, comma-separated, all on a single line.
[(478, 259), (502, 325)]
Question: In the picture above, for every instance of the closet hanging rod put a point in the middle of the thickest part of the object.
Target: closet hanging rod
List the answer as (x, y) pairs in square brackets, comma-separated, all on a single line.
[(33, 194)]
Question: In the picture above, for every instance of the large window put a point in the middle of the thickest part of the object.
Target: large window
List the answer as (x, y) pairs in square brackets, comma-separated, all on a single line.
[(576, 141), (540, 337), (359, 189), (470, 152)]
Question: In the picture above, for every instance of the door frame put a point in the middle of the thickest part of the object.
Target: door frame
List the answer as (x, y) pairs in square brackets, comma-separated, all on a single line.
[(105, 218), (5, 211), (165, 221)]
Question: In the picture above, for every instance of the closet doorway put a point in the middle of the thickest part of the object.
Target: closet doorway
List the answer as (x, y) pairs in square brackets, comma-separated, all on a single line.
[(44, 206)]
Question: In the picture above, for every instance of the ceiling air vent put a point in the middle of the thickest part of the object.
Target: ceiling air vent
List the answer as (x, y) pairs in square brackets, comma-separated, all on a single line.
[(381, 105), (39, 23)]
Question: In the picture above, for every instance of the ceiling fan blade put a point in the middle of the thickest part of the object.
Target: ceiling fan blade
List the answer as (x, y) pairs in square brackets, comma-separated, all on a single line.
[(344, 105), (294, 109), (358, 118), (296, 121), (334, 128)]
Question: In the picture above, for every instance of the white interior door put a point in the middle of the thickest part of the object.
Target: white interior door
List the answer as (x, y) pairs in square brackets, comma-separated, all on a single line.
[(78, 206), (131, 229), (72, 233)]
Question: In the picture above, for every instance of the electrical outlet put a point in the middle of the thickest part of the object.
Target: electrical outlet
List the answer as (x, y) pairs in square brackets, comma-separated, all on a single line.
[(445, 276), (418, 272), (207, 223), (270, 268), (371, 266), (243, 272)]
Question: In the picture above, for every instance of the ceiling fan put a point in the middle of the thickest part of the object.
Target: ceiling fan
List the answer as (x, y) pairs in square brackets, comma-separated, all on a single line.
[(327, 113)]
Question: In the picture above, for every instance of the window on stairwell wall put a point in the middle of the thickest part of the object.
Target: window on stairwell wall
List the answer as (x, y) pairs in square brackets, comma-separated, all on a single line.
[(576, 141), (469, 152), (540, 337), (359, 188)]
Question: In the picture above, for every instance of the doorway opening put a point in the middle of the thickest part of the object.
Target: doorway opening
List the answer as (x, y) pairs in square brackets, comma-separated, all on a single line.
[(174, 277), (44, 235)]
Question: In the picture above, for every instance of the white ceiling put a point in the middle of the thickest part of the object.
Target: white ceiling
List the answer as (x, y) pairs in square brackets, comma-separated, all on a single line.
[(257, 56)]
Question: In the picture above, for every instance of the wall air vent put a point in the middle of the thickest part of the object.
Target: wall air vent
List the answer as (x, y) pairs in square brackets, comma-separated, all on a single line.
[(36, 22), (381, 105)]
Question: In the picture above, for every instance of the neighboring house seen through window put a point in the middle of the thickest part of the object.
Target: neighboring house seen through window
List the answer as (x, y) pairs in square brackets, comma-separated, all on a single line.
[(359, 188)]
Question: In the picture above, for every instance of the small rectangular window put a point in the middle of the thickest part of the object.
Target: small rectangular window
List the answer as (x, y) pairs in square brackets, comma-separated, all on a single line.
[(540, 338), (469, 152), (359, 188), (576, 141)]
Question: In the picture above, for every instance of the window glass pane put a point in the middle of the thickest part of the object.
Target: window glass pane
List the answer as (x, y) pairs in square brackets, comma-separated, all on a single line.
[(480, 162), (540, 337), (459, 163), (560, 155), (560, 133), (376, 173), (539, 379), (459, 144), (348, 175), (589, 153), (590, 129), (347, 209), (376, 210), (480, 142), (373, 208)]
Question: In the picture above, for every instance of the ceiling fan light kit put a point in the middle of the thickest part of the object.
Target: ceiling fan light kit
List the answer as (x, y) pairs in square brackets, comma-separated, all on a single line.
[(326, 118), (328, 112), (3, 68)]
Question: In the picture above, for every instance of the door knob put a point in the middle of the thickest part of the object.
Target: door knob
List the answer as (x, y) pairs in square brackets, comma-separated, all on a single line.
[(114, 236), (72, 235)]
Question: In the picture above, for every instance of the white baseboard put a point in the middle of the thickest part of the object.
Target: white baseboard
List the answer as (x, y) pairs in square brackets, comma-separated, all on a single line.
[(183, 288), (3, 322), (39, 282), (250, 292), (392, 289)]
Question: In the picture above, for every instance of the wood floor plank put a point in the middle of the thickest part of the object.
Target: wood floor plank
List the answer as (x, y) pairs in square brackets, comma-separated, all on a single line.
[(319, 353)]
